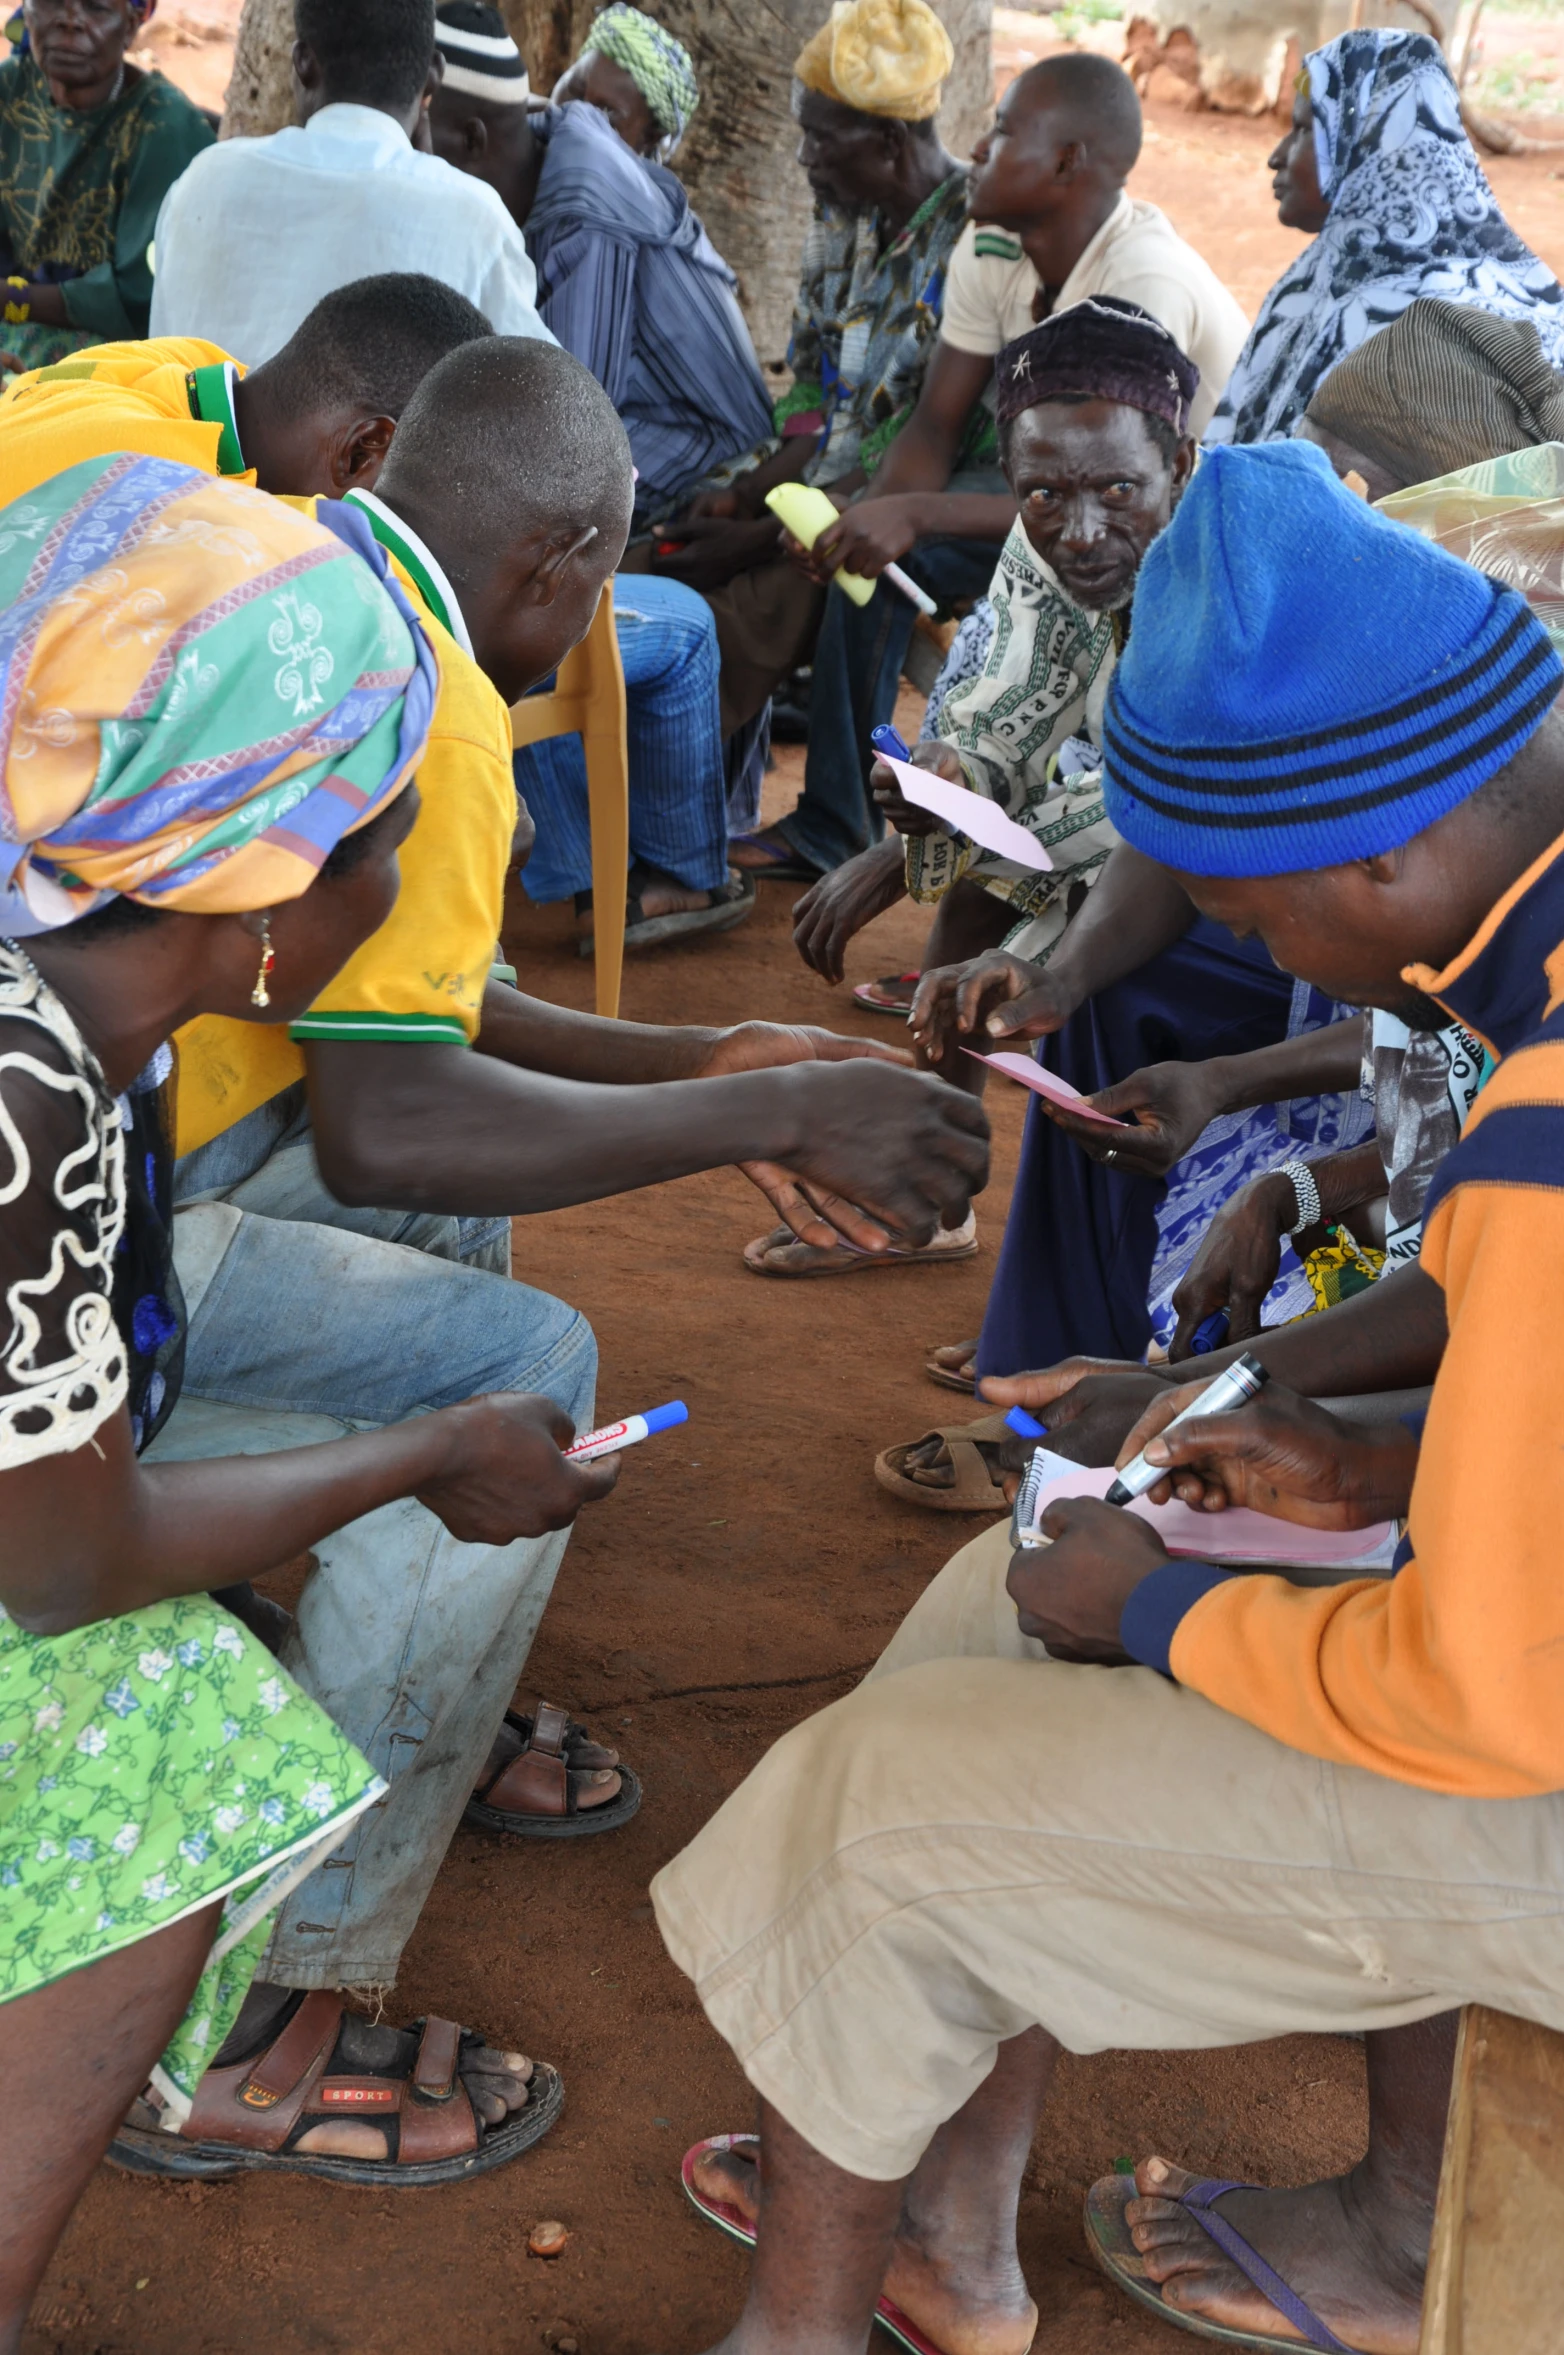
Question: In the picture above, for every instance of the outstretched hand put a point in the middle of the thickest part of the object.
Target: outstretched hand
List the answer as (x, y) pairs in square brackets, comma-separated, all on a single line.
[(763, 1046), (988, 1002), (909, 1151)]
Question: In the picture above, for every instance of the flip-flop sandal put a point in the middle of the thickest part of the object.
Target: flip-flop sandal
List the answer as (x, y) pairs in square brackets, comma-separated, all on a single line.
[(891, 995), (974, 1489), (535, 1793), (246, 2118), (1108, 2238), (737, 2226), (727, 906), (783, 864), (954, 1367), (782, 1254)]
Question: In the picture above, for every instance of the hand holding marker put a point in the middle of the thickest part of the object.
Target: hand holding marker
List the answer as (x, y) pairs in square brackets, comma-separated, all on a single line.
[(1233, 1387), (614, 1436)]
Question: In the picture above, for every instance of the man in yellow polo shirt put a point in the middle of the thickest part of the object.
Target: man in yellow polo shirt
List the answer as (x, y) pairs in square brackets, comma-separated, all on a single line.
[(503, 509)]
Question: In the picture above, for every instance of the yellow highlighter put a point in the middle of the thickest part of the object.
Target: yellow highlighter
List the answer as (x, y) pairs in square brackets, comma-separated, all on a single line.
[(806, 513)]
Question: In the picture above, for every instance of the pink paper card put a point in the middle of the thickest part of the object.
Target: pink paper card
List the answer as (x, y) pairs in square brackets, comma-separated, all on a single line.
[(1238, 1535), (1045, 1083), (969, 813)]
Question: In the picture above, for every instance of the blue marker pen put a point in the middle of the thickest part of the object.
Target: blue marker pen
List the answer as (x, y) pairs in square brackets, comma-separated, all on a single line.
[(887, 740), (1025, 1426), (1210, 1334), (613, 1436)]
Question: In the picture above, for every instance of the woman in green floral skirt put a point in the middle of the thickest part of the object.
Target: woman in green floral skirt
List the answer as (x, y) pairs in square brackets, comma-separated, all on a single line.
[(190, 821)]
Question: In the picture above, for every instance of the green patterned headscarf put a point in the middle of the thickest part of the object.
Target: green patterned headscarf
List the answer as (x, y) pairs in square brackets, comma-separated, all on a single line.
[(656, 63)]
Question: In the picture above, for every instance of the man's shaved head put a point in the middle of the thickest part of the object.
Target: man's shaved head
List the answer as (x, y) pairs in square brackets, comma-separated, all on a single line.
[(507, 439), (511, 465), (368, 346), (1095, 97)]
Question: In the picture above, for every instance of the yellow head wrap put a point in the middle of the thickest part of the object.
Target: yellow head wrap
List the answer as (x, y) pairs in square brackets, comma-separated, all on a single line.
[(886, 57)]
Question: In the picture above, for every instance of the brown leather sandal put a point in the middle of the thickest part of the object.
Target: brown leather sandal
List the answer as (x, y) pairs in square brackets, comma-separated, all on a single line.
[(536, 1793), (248, 2117)]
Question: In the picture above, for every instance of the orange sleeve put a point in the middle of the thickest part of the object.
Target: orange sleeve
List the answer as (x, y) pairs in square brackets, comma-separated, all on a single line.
[(1451, 1674)]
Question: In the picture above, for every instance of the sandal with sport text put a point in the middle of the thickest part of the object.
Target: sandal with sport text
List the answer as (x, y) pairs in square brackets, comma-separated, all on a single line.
[(1109, 2239), (246, 2119), (537, 1793), (737, 2226)]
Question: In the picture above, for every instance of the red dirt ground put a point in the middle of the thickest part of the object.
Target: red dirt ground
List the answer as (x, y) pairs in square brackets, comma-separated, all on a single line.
[(746, 1571)]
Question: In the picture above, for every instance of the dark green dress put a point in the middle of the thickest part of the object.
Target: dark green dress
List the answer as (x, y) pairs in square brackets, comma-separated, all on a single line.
[(79, 199)]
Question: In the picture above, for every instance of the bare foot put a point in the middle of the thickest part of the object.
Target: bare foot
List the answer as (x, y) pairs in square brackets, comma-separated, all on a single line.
[(1358, 2262), (968, 2299)]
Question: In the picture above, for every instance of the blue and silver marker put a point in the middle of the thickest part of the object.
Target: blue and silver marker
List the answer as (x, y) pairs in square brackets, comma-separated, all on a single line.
[(613, 1436), (1234, 1386), (888, 741)]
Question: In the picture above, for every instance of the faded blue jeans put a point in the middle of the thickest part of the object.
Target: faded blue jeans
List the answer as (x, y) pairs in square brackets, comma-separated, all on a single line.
[(678, 783), (308, 1321)]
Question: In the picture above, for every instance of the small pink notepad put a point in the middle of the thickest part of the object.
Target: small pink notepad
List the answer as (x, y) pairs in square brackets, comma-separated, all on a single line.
[(972, 814), (1044, 1083), (1239, 1535)]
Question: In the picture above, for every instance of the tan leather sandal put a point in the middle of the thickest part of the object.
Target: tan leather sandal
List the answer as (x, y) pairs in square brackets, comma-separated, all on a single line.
[(976, 1484), (538, 1792), (247, 2118)]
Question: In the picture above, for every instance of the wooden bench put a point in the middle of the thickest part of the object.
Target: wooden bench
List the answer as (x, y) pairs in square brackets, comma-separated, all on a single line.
[(1494, 2269)]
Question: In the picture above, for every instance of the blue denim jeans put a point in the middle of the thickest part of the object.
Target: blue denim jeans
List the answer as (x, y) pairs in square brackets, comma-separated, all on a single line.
[(853, 688), (678, 784), (308, 1321)]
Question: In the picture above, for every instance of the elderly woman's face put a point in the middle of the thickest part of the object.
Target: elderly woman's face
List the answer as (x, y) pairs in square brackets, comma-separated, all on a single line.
[(1094, 488), (80, 46), (1294, 166), (597, 80)]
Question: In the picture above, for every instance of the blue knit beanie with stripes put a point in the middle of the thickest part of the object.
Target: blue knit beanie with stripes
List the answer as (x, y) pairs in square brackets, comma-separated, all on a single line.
[(1306, 682)]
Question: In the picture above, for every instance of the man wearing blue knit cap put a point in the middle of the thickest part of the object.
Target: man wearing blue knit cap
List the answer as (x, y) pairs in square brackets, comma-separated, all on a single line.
[(1095, 1795)]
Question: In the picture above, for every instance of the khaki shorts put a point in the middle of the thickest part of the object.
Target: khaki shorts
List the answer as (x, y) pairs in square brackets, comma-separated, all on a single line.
[(980, 1839)]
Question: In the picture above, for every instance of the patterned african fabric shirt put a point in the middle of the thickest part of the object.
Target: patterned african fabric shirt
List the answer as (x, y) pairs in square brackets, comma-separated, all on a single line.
[(633, 287), (1041, 687), (864, 326), (79, 193)]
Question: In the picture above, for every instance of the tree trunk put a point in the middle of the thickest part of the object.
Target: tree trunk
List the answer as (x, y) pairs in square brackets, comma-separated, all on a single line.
[(260, 91), (737, 159)]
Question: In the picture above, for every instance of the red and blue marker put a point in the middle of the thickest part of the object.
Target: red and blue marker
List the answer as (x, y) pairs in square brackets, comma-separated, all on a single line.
[(613, 1436)]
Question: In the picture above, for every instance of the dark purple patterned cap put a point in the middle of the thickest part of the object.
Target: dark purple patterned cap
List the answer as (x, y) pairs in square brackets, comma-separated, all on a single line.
[(1101, 349)]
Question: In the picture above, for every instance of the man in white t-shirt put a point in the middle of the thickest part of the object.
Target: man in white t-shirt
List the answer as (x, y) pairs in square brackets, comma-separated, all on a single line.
[(1051, 223), (245, 249)]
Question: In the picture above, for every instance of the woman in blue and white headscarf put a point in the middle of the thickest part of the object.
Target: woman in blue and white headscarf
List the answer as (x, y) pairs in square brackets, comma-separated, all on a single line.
[(1378, 164)]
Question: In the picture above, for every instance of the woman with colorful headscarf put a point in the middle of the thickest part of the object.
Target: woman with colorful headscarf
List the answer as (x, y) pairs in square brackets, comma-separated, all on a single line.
[(210, 708), (89, 147), (639, 75), (1378, 165)]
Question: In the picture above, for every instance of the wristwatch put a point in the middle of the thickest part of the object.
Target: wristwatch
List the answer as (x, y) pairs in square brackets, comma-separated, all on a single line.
[(1306, 1195)]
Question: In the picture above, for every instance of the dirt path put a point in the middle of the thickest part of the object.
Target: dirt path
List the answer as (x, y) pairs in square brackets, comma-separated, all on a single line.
[(746, 1570)]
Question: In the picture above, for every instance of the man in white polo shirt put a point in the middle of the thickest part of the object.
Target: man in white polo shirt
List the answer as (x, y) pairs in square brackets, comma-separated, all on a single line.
[(245, 250)]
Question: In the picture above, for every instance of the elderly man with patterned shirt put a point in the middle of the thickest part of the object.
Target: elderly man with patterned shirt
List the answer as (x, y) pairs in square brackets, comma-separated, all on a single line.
[(890, 205), (1147, 1802)]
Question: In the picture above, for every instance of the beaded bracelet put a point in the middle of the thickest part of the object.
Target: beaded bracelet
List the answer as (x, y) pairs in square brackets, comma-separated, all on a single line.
[(1306, 1195)]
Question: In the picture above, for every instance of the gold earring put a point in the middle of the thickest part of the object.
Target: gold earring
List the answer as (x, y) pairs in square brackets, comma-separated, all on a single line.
[(261, 995)]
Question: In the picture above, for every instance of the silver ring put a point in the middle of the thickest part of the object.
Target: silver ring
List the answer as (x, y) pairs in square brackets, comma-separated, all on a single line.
[(1112, 1153)]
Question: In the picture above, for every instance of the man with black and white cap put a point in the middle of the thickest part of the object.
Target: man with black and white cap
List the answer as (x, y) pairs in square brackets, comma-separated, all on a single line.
[(628, 280), (246, 250)]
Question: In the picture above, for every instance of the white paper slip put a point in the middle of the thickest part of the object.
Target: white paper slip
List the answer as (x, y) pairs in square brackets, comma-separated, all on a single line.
[(969, 813)]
